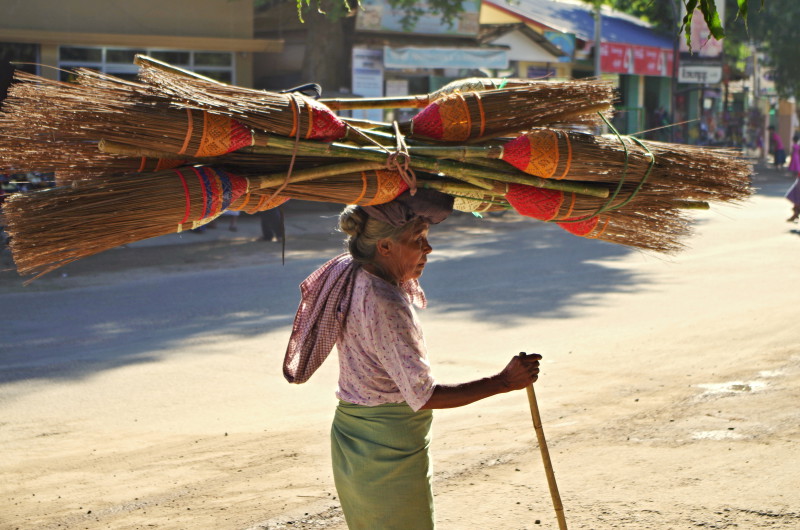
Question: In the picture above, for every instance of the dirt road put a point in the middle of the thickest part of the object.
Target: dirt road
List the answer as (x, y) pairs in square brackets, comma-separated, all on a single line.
[(669, 392)]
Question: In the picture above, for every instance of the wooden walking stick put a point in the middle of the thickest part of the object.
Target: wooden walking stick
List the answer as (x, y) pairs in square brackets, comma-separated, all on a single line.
[(548, 467)]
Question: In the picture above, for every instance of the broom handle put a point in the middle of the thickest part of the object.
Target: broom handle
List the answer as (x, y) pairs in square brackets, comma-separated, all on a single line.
[(472, 174), (140, 60), (548, 467), (399, 102), (302, 175)]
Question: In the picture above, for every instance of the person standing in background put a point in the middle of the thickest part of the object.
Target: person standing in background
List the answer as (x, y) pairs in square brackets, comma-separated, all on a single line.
[(777, 147), (794, 168)]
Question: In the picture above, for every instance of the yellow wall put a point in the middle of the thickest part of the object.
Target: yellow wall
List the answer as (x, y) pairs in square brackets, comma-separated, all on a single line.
[(207, 18), (201, 25), (492, 15)]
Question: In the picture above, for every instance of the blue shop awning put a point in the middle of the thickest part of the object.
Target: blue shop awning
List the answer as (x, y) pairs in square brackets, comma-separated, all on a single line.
[(412, 57), (578, 18)]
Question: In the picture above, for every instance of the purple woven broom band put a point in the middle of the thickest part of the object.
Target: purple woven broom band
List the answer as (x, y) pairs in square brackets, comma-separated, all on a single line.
[(429, 205)]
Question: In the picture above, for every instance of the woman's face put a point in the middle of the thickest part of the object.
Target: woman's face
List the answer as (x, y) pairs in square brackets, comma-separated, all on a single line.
[(405, 257)]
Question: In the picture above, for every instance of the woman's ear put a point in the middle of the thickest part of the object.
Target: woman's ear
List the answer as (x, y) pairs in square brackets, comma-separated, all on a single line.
[(384, 247)]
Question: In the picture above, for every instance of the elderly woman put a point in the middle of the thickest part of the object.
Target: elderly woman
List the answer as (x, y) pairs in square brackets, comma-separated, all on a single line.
[(363, 302)]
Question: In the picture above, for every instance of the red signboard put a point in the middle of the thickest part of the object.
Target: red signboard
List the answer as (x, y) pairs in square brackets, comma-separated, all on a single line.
[(637, 60)]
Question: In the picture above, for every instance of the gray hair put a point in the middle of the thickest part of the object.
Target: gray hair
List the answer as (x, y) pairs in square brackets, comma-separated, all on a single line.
[(364, 232)]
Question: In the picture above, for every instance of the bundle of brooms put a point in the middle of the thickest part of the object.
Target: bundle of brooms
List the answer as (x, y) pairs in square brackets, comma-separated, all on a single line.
[(236, 148)]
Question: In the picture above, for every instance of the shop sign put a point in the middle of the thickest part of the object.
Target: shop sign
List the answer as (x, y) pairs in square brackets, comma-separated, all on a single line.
[(622, 58), (701, 74)]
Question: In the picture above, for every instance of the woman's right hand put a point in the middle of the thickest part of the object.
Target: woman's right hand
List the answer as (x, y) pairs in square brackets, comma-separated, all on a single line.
[(521, 371)]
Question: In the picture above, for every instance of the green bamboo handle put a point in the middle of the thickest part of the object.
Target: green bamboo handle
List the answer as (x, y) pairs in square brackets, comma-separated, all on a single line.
[(301, 175), (468, 173)]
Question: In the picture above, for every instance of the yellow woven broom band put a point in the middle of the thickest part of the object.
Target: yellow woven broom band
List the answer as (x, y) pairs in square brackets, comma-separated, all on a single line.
[(189, 130), (569, 157), (390, 185), (544, 153), (363, 187), (454, 115), (216, 138)]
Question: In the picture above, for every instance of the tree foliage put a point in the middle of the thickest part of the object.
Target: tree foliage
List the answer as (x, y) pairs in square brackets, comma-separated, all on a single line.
[(773, 31)]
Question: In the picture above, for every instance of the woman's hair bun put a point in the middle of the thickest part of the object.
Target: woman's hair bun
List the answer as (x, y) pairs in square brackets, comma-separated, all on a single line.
[(352, 221)]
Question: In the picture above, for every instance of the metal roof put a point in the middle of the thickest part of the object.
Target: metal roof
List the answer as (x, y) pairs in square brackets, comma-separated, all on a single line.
[(578, 18)]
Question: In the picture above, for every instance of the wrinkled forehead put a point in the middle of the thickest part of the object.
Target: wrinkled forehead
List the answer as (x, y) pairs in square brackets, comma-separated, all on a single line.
[(417, 226)]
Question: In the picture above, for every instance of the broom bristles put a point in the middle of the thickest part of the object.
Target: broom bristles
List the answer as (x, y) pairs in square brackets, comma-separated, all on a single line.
[(462, 117), (51, 228), (51, 125), (285, 114)]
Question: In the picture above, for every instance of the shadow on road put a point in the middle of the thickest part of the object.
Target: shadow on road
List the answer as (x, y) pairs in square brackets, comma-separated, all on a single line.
[(496, 269)]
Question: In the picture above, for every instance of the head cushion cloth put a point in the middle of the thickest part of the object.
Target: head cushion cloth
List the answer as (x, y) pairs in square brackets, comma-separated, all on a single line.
[(431, 206)]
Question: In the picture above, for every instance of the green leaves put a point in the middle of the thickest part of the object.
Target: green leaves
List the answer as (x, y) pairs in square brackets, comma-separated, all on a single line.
[(711, 16)]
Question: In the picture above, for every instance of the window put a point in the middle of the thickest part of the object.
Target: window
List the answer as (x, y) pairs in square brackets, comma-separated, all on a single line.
[(119, 61)]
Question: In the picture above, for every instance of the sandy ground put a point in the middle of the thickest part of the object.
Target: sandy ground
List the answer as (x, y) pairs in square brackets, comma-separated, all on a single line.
[(670, 401)]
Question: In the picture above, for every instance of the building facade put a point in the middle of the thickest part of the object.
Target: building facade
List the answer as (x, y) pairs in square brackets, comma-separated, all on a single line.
[(212, 37)]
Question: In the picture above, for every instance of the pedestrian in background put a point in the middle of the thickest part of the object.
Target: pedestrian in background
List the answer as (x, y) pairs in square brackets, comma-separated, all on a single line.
[(794, 168), (777, 147)]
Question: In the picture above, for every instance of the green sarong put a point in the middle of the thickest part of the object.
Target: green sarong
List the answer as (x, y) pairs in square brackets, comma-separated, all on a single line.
[(381, 466)]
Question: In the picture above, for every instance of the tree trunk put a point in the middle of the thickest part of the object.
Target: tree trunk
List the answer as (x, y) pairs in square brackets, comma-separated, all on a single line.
[(329, 44)]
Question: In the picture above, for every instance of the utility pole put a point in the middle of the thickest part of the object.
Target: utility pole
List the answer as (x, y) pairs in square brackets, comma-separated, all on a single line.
[(598, 32), (675, 49)]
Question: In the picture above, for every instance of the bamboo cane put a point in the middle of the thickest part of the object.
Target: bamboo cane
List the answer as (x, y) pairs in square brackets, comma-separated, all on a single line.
[(421, 100), (548, 466), (472, 174), (145, 60)]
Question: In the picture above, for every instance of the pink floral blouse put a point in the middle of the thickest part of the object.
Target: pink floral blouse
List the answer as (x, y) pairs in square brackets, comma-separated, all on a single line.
[(382, 355)]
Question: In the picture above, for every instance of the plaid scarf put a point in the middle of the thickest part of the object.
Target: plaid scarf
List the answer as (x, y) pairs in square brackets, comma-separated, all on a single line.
[(324, 304)]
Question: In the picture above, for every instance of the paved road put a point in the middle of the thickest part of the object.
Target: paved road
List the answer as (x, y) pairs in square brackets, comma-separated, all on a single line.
[(127, 373)]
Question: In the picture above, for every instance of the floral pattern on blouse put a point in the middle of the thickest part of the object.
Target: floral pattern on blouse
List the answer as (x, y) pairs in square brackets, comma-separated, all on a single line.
[(382, 354)]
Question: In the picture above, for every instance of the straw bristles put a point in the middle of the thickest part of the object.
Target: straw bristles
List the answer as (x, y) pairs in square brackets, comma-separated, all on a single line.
[(52, 228), (471, 116), (649, 221), (285, 114), (645, 221), (472, 84), (681, 171), (97, 133), (42, 116)]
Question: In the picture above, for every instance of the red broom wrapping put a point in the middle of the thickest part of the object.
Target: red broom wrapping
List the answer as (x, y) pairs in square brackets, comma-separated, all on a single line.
[(642, 226)]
